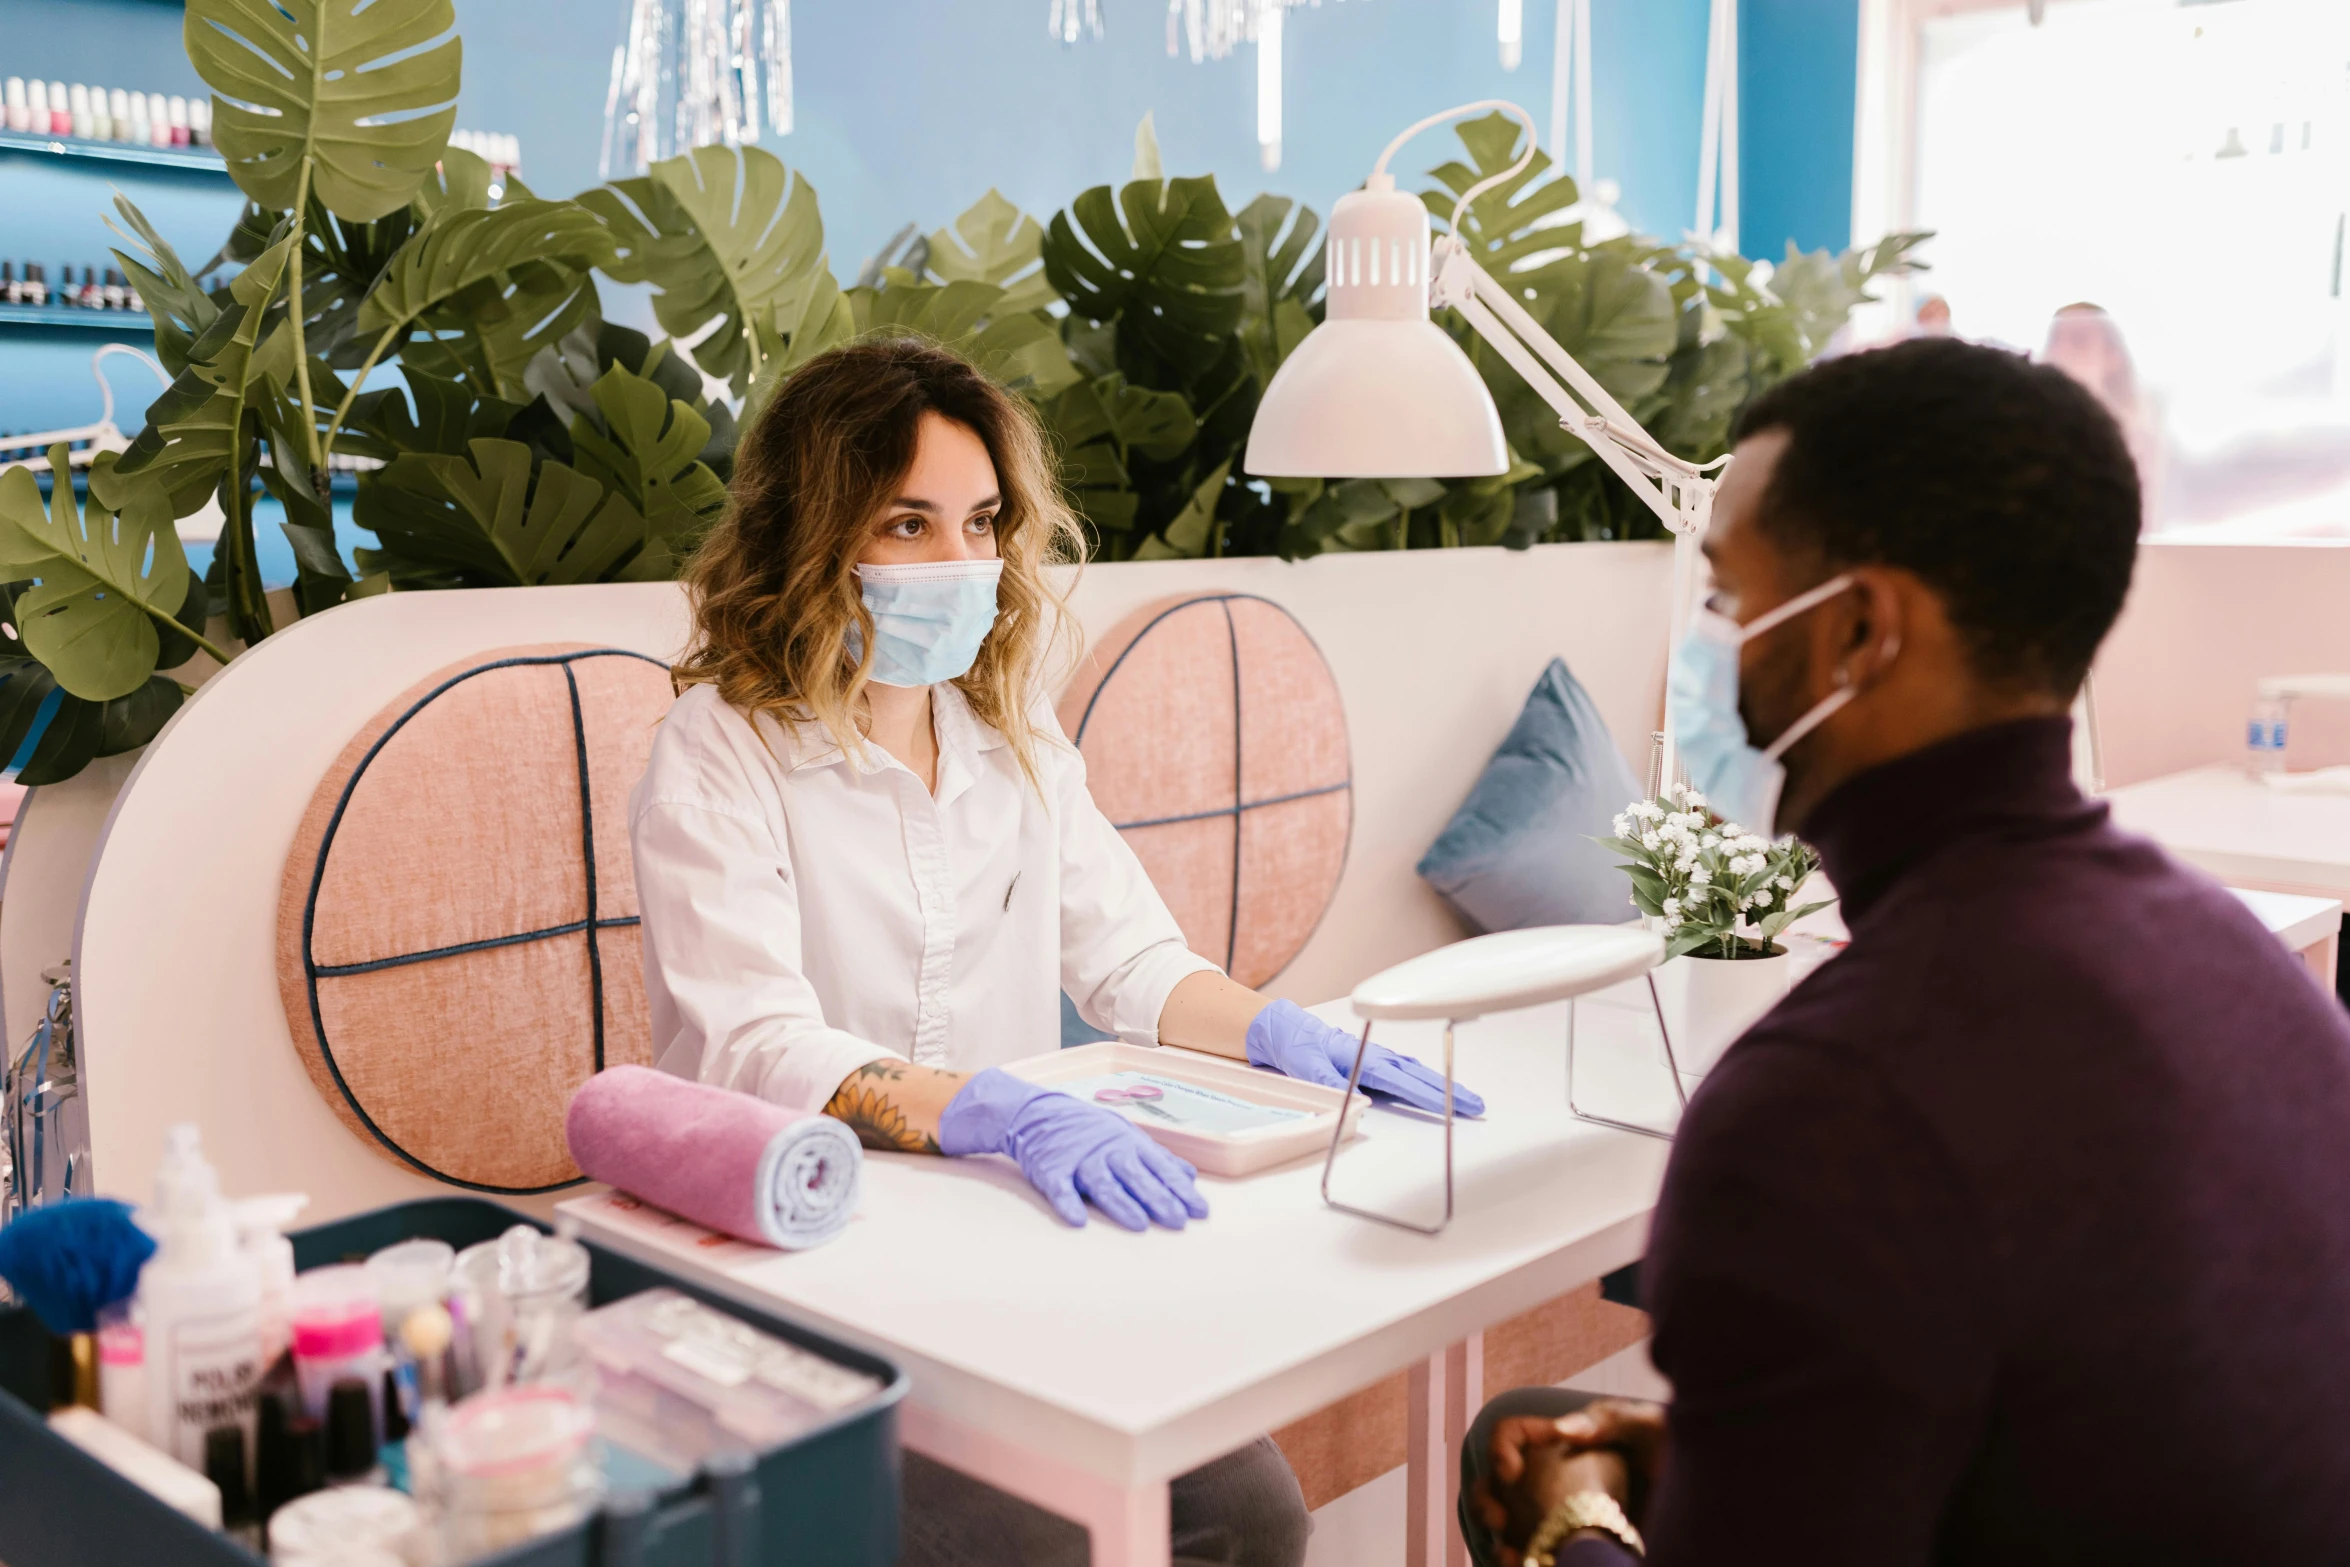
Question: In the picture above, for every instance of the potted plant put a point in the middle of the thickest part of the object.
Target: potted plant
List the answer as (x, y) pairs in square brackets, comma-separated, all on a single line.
[(1720, 895)]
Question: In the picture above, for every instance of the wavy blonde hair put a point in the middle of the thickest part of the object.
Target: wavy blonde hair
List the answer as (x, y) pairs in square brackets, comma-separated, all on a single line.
[(774, 587)]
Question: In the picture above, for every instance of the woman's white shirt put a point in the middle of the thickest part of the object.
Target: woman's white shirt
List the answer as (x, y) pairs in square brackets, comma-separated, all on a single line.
[(807, 910)]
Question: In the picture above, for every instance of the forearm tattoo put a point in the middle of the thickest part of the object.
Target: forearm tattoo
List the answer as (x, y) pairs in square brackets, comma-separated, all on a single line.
[(867, 1102)]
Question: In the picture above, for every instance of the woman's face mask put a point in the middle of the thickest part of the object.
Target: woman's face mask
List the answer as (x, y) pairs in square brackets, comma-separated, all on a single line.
[(929, 619), (1740, 781)]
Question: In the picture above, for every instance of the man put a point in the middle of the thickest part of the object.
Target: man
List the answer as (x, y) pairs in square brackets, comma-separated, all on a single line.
[(2019, 1232)]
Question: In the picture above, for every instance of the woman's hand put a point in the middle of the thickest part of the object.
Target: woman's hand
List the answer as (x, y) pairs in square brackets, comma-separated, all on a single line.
[(1072, 1152), (1295, 1043)]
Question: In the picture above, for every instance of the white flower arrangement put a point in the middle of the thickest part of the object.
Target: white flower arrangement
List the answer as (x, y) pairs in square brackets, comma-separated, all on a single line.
[(1717, 890)]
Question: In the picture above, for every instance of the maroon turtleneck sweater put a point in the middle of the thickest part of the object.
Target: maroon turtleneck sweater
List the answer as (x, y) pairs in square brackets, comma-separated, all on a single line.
[(2020, 1231)]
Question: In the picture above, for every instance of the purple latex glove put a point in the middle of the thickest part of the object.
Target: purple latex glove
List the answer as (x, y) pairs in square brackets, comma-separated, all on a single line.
[(1072, 1152), (1295, 1043)]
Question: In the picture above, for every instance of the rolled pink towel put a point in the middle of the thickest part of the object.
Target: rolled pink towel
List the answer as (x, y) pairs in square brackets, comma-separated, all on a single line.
[(753, 1169)]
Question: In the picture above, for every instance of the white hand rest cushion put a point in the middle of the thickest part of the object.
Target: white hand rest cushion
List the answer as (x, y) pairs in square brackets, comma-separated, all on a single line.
[(1501, 973)]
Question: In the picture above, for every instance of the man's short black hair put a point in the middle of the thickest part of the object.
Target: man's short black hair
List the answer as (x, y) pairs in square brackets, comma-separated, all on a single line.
[(2004, 485)]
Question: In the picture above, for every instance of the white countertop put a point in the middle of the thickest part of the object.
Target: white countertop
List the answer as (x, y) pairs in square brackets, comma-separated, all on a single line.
[(1138, 1357), (2242, 830)]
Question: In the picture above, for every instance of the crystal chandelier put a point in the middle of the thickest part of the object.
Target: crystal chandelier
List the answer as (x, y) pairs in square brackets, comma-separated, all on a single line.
[(1212, 29), (695, 73)]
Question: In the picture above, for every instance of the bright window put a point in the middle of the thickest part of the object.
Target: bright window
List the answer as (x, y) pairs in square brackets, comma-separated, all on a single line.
[(2187, 168)]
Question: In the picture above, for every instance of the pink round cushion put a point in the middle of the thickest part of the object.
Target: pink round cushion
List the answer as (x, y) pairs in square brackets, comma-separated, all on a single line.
[(457, 927), (1215, 740)]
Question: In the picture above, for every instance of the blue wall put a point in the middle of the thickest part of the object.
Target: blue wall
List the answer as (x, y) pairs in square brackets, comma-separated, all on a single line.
[(1798, 61), (909, 109)]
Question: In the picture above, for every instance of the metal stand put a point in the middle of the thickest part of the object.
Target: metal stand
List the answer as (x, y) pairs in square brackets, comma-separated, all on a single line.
[(1671, 1065), (1338, 1135)]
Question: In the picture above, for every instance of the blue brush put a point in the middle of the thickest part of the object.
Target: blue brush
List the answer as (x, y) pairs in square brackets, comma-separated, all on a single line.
[(67, 1259)]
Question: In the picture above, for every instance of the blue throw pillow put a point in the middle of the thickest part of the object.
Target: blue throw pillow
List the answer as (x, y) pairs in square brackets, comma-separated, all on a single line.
[(1519, 851)]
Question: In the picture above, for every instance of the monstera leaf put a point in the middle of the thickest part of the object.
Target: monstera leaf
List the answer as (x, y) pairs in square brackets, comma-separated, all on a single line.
[(488, 519), (341, 97), (1160, 258), (175, 300), (1281, 280), (1516, 220), (1101, 426), (1193, 533), (100, 578), (47, 734), (994, 242), (646, 446), (464, 246), (1019, 348), (724, 235), (196, 429), (1616, 316)]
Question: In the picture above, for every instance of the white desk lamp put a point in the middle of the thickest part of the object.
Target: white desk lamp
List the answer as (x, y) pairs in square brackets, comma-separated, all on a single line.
[(1379, 391)]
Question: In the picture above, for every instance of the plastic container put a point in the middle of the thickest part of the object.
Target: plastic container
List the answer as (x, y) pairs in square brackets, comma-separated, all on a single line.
[(514, 1463), (1227, 1118), (324, 1524), (200, 1302), (261, 1227), (122, 1368), (515, 1300), (338, 1332), (827, 1499), (679, 1382), (2264, 737)]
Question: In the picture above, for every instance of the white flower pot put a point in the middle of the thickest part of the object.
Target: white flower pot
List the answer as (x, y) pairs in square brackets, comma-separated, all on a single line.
[(1709, 1002)]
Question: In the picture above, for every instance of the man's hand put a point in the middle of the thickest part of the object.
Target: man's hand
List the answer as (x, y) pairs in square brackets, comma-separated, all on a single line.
[(1613, 1445)]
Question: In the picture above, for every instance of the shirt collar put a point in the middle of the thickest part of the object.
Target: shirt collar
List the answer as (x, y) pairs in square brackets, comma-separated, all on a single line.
[(1878, 824), (962, 735)]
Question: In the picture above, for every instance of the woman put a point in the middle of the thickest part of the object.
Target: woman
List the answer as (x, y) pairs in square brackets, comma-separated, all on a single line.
[(866, 857)]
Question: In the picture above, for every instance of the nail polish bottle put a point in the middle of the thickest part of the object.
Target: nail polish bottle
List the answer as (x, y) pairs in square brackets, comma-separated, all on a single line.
[(177, 109), (101, 115), (118, 110), (60, 110), (93, 291), (118, 292), (77, 111), (137, 120), (17, 107), (200, 121), (158, 120), (11, 291), (224, 1466), (131, 299), (37, 107), (36, 284)]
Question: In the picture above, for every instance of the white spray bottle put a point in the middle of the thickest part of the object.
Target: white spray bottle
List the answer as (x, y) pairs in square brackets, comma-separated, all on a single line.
[(261, 1235), (201, 1298)]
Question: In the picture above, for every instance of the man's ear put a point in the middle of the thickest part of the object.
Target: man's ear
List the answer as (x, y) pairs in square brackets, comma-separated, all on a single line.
[(1875, 626)]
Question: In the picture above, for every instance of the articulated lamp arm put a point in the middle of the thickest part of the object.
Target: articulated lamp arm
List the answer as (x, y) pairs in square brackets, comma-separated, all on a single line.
[(1681, 493)]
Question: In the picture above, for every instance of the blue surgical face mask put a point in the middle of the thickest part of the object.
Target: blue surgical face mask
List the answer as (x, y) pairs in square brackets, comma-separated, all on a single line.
[(929, 619), (1739, 781)]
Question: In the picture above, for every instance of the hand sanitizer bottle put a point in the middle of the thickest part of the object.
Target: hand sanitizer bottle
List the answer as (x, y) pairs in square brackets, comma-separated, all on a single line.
[(200, 1295), (2265, 735)]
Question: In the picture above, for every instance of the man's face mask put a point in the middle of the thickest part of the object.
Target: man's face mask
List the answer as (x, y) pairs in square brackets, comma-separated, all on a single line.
[(1740, 781)]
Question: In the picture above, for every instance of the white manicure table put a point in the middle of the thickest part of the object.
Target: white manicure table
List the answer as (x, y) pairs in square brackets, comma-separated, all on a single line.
[(1084, 1369)]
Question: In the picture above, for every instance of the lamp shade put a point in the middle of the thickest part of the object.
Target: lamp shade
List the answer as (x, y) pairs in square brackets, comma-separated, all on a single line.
[(1377, 391), (1372, 399)]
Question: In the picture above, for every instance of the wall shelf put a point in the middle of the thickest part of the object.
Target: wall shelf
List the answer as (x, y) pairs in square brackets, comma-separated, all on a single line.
[(74, 316), (202, 160)]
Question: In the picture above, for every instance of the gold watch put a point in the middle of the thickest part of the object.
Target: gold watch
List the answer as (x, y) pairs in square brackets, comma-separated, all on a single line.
[(1582, 1510)]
